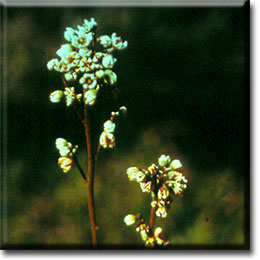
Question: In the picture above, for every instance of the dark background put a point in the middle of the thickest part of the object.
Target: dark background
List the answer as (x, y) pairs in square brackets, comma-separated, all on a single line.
[(184, 81)]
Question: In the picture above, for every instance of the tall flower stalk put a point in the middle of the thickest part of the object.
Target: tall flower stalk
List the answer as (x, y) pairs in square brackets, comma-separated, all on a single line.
[(86, 65)]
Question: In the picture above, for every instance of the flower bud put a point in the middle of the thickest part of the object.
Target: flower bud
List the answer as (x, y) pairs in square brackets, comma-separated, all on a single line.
[(130, 219), (56, 96)]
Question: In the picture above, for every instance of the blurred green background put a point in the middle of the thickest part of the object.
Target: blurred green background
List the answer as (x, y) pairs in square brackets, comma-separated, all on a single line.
[(182, 78)]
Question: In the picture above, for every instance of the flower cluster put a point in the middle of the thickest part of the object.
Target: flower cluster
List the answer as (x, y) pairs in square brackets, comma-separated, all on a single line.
[(161, 181), (66, 151), (151, 237), (107, 138), (80, 61)]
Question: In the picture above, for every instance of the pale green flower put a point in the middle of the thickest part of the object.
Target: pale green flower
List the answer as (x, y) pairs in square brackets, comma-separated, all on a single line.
[(108, 61), (64, 151), (105, 41), (164, 160), (146, 186), (175, 164), (109, 126), (111, 76), (144, 235), (65, 163), (56, 96), (130, 219), (88, 80), (90, 96), (52, 63), (64, 50)]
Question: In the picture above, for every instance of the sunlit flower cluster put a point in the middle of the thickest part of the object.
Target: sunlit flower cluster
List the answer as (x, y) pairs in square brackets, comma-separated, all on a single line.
[(80, 60), (107, 137), (152, 238), (66, 151), (161, 181)]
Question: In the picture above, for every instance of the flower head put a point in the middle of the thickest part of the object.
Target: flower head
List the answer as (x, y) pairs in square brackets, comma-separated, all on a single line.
[(56, 96)]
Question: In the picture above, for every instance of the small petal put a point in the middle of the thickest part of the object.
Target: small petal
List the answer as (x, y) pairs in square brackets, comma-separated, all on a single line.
[(64, 50), (111, 76), (108, 61)]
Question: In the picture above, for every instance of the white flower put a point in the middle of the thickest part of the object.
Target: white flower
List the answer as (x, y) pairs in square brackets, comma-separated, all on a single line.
[(140, 176), (105, 41), (108, 61), (89, 25), (131, 172), (117, 42), (88, 80), (84, 52), (130, 219), (69, 95), (164, 160), (69, 34), (70, 76), (107, 140), (161, 212), (163, 192), (146, 186), (175, 164), (90, 96), (144, 235), (111, 76), (60, 142), (64, 50), (99, 74), (56, 96), (158, 232), (82, 39), (65, 163), (52, 63), (109, 126)]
